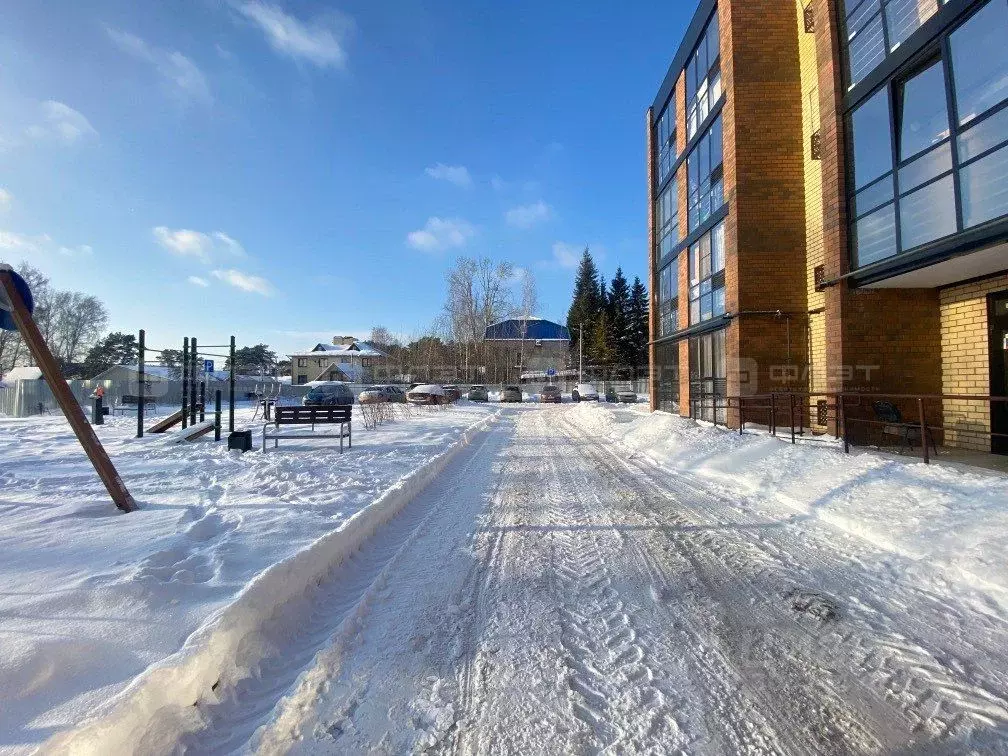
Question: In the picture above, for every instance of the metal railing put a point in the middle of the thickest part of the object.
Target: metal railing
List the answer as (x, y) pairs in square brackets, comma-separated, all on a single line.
[(957, 420)]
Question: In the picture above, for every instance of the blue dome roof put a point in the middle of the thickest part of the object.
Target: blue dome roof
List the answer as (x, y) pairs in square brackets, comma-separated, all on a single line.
[(532, 329)]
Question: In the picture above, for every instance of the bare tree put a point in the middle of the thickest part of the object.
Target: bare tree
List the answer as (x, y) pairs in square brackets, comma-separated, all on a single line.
[(78, 319), (12, 348)]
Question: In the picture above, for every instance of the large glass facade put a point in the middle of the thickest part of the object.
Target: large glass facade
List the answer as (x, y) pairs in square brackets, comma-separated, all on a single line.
[(708, 383), (706, 276), (703, 77), (667, 376), (665, 142), (667, 219), (914, 147), (668, 299), (705, 176), (875, 28)]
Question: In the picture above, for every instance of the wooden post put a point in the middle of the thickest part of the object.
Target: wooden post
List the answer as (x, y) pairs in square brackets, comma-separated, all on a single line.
[(185, 383), (217, 414), (61, 390), (141, 396)]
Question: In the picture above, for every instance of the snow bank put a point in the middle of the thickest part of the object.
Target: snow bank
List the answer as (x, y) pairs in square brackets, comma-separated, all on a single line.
[(946, 515), (92, 598), (161, 705)]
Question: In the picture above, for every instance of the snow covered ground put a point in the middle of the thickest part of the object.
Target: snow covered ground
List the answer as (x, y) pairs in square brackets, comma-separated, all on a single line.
[(564, 579), (89, 597)]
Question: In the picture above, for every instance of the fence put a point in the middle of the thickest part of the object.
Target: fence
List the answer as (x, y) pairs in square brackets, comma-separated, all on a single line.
[(27, 398), (919, 422)]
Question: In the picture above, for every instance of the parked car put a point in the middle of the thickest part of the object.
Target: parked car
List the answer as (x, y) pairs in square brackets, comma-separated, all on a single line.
[(610, 394), (478, 393), (511, 394), (550, 393), (627, 397), (584, 392), (426, 393), (453, 392), (374, 394), (328, 394)]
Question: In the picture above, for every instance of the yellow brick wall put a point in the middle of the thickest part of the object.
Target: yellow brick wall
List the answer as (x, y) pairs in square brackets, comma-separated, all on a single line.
[(965, 361), (813, 204)]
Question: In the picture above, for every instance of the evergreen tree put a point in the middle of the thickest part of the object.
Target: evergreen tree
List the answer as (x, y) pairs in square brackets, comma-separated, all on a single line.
[(601, 343), (620, 322), (639, 326), (584, 308), (115, 349)]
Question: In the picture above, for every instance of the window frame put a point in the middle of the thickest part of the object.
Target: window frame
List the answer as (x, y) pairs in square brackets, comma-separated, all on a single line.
[(702, 87), (705, 285), (714, 177), (899, 189)]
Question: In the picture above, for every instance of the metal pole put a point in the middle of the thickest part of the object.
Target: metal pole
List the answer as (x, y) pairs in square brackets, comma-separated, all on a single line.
[(581, 353), (193, 372), (202, 401), (791, 398), (231, 382), (185, 382), (843, 420), (217, 415), (61, 391), (140, 384), (773, 414), (920, 414), (741, 416)]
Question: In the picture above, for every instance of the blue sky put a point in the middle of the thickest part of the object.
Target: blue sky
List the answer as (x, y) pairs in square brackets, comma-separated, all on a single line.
[(289, 171)]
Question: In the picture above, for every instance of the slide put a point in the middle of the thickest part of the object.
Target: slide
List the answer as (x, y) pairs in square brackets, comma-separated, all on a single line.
[(169, 422), (192, 432)]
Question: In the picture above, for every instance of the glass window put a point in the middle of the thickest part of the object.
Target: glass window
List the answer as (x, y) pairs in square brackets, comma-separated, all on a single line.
[(904, 17), (927, 214), (980, 137), (980, 61), (706, 267), (865, 50), (667, 374), (703, 78), (668, 299), (923, 111), (666, 142), (708, 385), (984, 188), (667, 219), (926, 167), (705, 177), (875, 236), (872, 144), (872, 196)]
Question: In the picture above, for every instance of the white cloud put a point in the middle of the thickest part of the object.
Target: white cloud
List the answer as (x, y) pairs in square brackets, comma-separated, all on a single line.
[(182, 75), (319, 42), (185, 242), (441, 233), (39, 245), (455, 174), (244, 281), (566, 255), (527, 216), (61, 123), (197, 281), (6, 198)]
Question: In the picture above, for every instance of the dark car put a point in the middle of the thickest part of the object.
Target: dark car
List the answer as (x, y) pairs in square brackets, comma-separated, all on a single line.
[(328, 394), (584, 392), (550, 393), (478, 393), (454, 393)]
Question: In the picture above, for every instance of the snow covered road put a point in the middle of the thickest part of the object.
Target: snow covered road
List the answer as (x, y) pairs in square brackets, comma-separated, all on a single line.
[(552, 595)]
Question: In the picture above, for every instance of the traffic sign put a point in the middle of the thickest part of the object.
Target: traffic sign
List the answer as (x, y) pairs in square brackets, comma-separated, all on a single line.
[(551, 372), (6, 318), (208, 366)]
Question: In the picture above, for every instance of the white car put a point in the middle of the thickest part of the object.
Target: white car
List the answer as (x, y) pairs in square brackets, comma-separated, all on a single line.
[(584, 392)]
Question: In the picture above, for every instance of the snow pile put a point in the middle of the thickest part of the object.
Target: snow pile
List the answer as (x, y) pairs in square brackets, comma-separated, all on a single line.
[(944, 515), (92, 598)]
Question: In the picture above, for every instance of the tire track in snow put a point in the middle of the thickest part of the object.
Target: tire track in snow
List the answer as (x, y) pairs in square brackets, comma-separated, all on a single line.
[(885, 669)]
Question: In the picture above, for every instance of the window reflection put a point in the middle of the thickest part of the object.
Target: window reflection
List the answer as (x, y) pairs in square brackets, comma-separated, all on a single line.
[(923, 111), (980, 60)]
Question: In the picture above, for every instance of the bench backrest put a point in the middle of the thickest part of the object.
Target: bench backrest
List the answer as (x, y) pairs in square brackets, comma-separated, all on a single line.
[(306, 415), (887, 412)]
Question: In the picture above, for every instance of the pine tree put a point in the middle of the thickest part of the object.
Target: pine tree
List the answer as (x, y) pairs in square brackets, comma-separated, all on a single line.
[(620, 323), (584, 308), (639, 326)]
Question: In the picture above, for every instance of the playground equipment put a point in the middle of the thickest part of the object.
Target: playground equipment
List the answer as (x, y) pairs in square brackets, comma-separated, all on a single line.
[(266, 398), (193, 432), (193, 401), (16, 306)]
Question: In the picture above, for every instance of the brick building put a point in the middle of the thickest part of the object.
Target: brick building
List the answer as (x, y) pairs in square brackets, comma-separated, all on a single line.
[(829, 207)]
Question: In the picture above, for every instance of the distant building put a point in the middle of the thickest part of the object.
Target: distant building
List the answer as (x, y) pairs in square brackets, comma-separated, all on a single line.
[(346, 359), (533, 347), (23, 374)]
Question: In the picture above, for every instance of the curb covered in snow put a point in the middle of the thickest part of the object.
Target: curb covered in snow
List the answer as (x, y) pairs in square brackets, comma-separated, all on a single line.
[(158, 705)]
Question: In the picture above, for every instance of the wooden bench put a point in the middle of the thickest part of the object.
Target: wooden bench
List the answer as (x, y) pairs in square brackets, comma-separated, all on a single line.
[(310, 416), (131, 401)]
